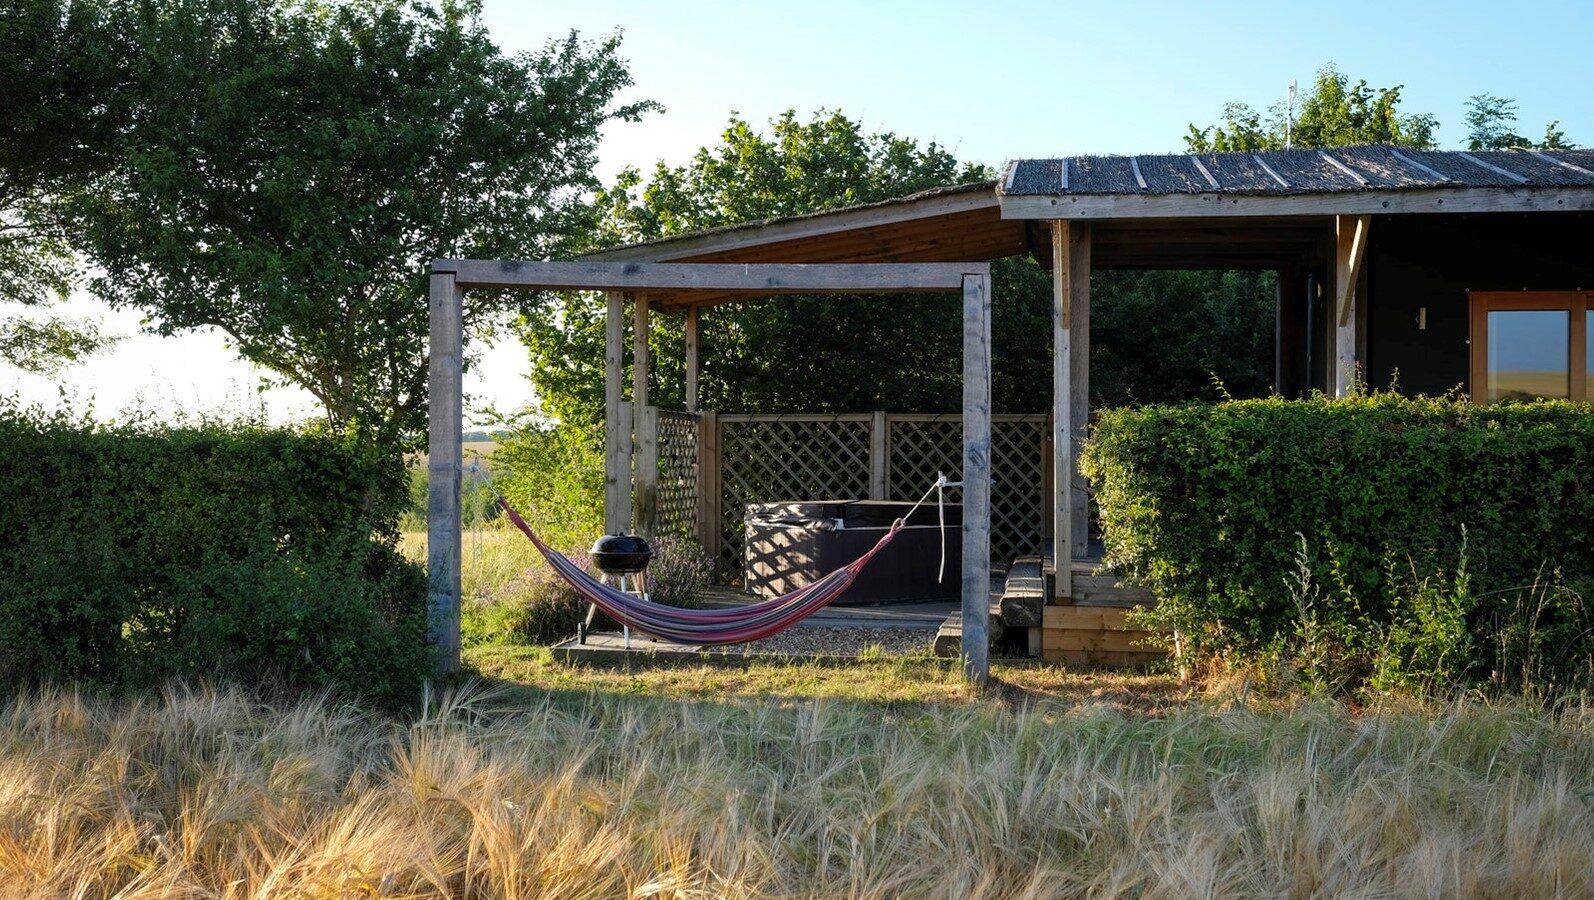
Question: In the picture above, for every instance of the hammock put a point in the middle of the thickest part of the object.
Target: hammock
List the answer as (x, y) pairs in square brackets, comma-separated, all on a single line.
[(705, 626)]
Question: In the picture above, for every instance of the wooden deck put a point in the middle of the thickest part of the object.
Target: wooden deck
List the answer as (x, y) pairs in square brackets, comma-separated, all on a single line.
[(1093, 628)]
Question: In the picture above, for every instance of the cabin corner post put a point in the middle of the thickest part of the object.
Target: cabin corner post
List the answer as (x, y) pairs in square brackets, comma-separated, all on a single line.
[(976, 587), (1062, 412), (445, 393), (692, 350), (616, 426), (1350, 234)]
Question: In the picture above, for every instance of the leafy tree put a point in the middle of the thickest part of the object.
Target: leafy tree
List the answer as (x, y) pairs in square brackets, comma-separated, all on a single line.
[(292, 165), (825, 354), (61, 63), (1334, 113), (1491, 123)]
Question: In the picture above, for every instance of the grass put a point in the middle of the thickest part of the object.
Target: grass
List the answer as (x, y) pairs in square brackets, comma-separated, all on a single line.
[(586, 790)]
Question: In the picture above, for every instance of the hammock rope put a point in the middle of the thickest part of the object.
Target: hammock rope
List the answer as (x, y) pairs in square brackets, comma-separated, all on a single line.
[(733, 625)]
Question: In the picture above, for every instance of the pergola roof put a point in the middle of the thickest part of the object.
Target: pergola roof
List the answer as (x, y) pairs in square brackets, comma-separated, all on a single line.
[(1285, 172)]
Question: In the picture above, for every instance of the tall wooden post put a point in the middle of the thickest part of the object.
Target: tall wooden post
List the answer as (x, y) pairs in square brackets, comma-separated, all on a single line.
[(1078, 387), (616, 421), (645, 433), (976, 477), (446, 402), (1351, 249), (879, 462), (691, 358), (708, 483), (1062, 410)]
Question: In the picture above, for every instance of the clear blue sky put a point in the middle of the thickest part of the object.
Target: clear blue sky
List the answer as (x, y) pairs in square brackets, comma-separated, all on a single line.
[(1009, 80), (991, 82)]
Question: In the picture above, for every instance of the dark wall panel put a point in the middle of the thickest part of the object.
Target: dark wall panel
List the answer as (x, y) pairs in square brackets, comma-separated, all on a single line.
[(1433, 261)]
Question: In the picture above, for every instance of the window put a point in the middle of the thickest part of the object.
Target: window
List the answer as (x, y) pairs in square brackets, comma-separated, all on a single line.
[(1527, 345)]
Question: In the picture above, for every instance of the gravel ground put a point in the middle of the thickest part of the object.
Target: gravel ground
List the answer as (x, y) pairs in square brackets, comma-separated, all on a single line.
[(844, 641)]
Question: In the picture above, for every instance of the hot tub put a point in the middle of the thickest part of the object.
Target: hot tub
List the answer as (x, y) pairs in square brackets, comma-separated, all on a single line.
[(789, 545)]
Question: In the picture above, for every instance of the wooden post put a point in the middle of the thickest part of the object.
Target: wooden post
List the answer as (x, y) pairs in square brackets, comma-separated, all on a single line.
[(1351, 249), (446, 403), (879, 461), (1062, 415), (691, 358), (708, 482), (639, 355), (616, 427), (1078, 387), (647, 471), (976, 477)]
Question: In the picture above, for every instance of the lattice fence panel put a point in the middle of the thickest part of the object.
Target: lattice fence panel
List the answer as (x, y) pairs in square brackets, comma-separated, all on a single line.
[(921, 448), (678, 478), (1019, 505), (799, 458)]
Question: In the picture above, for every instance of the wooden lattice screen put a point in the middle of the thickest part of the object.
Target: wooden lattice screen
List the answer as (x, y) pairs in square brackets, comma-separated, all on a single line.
[(833, 457), (678, 479)]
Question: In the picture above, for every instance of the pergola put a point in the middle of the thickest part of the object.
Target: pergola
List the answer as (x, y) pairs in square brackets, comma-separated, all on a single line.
[(680, 284)]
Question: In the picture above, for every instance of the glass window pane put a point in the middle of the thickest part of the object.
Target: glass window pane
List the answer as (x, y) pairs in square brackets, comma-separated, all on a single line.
[(1528, 354)]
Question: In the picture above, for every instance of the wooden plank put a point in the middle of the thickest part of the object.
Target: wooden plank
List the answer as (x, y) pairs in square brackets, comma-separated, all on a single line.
[(446, 405), (1351, 249), (1455, 200), (1079, 250), (616, 431), (1091, 618), (708, 484), (1118, 641), (976, 477), (756, 234), (691, 358), (641, 353), (1062, 417), (751, 278), (879, 455), (646, 511)]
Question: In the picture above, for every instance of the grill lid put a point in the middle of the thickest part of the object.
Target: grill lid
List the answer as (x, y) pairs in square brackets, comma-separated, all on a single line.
[(621, 554)]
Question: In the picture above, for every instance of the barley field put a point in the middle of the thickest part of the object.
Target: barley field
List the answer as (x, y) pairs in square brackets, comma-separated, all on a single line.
[(208, 792)]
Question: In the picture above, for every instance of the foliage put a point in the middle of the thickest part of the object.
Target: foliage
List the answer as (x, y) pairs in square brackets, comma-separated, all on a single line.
[(1490, 126), (1334, 113), (1167, 337), (291, 166), (537, 607), (62, 64), (679, 572), (561, 789), (133, 554), (1410, 513), (553, 475), (800, 354)]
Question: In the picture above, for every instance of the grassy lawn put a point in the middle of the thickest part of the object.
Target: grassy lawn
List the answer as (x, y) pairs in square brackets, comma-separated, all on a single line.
[(884, 779)]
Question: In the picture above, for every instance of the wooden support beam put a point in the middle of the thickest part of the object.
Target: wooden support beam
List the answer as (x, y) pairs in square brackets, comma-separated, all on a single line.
[(976, 586), (879, 455), (757, 279), (708, 483), (691, 358), (640, 354), (646, 511), (1351, 249), (1078, 383), (616, 421), (446, 402)]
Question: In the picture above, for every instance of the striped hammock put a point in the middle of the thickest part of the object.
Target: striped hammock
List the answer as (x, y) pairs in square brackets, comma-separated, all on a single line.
[(704, 626)]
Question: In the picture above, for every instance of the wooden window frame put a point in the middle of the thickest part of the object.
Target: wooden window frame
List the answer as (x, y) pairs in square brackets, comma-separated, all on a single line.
[(1576, 303)]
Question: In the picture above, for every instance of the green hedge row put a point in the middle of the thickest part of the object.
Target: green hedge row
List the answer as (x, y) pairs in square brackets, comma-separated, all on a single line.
[(1383, 498), (130, 555)]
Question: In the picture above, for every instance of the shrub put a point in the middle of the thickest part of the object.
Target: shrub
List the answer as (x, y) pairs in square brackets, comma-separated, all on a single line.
[(553, 475), (1414, 514), (538, 607), (130, 555), (679, 572)]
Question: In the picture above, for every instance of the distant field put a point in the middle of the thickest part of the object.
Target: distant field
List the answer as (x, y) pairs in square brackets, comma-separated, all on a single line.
[(470, 450)]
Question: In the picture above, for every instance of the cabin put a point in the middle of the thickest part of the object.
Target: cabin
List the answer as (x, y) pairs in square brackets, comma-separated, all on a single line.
[(1425, 270)]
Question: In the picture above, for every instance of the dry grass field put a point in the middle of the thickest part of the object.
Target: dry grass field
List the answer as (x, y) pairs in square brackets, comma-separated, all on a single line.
[(604, 788)]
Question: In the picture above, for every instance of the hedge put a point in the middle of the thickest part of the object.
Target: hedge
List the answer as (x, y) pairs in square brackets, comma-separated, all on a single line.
[(1382, 500), (131, 555)]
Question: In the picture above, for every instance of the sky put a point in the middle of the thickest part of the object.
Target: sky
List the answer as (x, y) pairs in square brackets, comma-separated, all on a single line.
[(989, 82)]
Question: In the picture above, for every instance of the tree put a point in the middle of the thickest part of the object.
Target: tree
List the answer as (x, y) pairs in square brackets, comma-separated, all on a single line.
[(1491, 125), (61, 63), (1333, 114), (291, 166), (808, 354)]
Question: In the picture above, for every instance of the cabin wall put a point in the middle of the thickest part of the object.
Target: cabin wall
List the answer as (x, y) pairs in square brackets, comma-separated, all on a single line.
[(1417, 261)]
